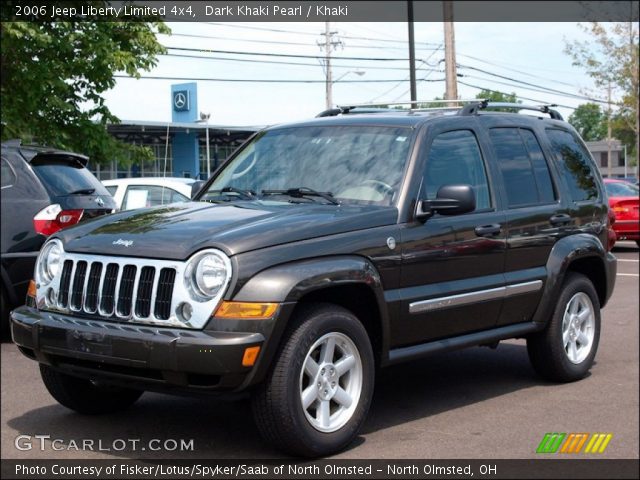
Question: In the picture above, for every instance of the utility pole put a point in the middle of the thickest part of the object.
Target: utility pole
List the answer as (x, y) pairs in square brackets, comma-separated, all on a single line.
[(609, 130), (412, 55), (329, 45), (451, 79)]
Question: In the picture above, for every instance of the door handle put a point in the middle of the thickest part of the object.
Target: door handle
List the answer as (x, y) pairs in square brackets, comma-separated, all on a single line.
[(560, 219), (488, 230)]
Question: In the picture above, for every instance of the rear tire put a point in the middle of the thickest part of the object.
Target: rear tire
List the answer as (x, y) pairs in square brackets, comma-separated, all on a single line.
[(565, 349), (317, 395), (84, 396)]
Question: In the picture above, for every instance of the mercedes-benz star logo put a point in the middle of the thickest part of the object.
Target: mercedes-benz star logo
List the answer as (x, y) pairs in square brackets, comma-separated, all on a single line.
[(180, 100), (99, 201)]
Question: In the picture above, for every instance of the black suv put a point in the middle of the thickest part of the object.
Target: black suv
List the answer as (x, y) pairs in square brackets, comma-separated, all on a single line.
[(322, 250), (43, 191)]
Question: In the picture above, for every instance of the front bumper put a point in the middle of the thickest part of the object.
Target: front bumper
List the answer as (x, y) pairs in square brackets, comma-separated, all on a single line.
[(138, 356)]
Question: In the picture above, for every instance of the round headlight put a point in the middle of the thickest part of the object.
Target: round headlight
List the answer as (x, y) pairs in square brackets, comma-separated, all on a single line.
[(50, 261), (207, 274)]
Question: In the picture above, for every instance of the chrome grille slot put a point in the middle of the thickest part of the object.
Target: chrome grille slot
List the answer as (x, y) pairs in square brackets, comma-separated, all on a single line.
[(145, 288), (162, 305), (125, 292), (107, 296), (91, 297), (77, 290), (65, 283)]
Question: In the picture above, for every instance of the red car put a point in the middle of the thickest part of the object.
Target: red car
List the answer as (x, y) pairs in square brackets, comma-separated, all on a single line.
[(623, 201)]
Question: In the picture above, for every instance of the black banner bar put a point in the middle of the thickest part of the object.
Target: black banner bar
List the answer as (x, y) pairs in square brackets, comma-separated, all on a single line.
[(320, 11), (322, 469)]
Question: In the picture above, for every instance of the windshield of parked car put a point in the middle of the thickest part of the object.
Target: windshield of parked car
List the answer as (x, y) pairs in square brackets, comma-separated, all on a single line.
[(351, 164), (621, 189)]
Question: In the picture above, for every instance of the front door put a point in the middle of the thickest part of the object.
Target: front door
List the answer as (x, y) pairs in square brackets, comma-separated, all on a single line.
[(452, 266)]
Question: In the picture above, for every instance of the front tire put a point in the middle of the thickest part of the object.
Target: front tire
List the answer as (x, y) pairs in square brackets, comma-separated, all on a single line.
[(84, 396), (565, 349), (318, 393)]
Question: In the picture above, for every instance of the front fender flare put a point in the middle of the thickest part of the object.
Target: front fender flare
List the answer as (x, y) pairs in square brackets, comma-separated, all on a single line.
[(288, 283)]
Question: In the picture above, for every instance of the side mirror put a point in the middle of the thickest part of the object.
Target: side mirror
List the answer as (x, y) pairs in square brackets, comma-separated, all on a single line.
[(196, 186), (450, 200)]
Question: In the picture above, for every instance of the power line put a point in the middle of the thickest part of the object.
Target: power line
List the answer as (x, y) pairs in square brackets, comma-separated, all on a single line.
[(517, 96), (547, 89), (254, 80), (280, 62), (287, 55), (297, 32), (277, 42)]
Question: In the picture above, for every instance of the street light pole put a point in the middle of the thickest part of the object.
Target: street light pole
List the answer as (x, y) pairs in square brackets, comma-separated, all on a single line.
[(205, 117)]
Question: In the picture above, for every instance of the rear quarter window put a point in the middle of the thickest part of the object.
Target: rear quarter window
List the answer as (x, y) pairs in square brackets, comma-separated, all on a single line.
[(575, 163)]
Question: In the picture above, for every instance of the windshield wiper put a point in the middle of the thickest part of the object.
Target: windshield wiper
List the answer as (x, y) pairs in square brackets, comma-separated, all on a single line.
[(84, 191), (301, 192), (243, 194)]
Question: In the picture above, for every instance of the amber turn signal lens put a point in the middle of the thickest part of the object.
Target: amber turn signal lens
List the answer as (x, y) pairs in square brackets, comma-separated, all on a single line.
[(246, 310), (31, 291), (250, 356)]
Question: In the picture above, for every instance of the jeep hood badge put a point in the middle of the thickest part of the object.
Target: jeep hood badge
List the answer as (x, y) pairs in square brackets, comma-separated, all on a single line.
[(126, 243)]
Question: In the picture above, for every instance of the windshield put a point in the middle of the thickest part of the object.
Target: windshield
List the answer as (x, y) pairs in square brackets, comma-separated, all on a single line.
[(620, 189), (353, 164)]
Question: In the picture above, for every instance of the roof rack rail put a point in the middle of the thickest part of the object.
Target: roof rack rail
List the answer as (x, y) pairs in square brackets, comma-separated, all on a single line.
[(475, 107), (384, 107)]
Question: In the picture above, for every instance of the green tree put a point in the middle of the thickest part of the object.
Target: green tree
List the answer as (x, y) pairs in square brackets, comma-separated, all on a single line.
[(590, 122), (610, 57), (54, 75), (496, 96)]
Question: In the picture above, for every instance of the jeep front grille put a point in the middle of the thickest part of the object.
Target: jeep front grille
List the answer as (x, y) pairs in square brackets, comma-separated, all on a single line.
[(118, 290)]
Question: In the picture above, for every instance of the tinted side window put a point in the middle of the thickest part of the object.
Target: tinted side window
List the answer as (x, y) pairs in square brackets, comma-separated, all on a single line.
[(540, 167), (575, 164), (455, 158), (523, 167), (8, 176), (515, 166)]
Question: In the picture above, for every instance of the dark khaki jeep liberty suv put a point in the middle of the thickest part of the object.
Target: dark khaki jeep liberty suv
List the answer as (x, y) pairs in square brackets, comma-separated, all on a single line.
[(323, 250)]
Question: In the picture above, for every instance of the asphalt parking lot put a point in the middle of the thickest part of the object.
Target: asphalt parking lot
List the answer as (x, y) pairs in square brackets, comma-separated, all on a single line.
[(478, 403)]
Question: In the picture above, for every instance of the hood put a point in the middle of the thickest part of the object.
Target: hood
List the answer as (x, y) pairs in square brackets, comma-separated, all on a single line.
[(176, 231)]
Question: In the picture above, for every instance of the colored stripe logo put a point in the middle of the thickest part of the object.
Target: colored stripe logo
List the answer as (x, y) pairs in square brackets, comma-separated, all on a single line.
[(574, 443)]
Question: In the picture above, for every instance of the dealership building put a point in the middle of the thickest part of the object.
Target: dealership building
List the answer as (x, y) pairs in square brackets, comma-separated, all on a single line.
[(180, 146)]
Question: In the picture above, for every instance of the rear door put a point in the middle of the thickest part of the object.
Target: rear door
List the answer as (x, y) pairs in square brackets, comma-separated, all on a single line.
[(534, 216)]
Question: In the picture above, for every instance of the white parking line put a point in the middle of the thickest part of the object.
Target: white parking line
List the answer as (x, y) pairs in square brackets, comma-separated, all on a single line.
[(627, 260), (628, 274)]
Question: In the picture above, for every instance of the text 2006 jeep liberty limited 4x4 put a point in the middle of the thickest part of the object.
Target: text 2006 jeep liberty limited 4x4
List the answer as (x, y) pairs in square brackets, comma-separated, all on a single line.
[(323, 250)]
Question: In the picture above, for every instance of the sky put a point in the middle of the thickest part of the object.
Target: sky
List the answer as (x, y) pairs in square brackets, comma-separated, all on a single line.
[(532, 53)]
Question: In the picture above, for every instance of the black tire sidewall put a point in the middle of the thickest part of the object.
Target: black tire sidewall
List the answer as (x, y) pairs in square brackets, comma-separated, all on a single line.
[(576, 284), (322, 322)]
